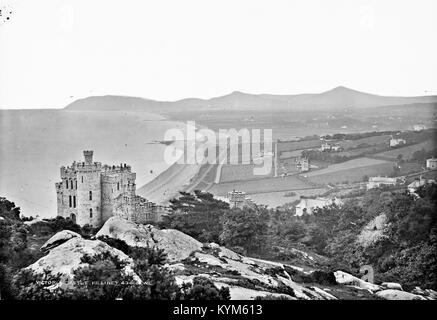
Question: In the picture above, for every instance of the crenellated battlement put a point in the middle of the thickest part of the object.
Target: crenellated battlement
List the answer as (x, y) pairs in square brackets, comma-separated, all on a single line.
[(117, 169)]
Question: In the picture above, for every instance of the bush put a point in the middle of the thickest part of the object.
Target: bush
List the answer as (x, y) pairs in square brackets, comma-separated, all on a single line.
[(204, 289)]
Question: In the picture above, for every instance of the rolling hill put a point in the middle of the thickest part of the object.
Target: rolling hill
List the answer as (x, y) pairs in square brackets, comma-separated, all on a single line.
[(335, 99)]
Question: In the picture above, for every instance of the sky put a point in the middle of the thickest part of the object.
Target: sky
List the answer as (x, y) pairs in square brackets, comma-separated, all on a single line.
[(53, 52)]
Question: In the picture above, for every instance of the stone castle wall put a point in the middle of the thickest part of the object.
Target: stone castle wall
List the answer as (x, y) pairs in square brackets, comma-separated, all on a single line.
[(90, 193)]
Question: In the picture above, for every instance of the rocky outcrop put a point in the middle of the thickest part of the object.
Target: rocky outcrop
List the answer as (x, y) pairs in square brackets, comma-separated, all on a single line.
[(392, 285), (348, 279), (65, 258), (58, 239), (246, 278), (176, 244), (373, 231), (392, 294)]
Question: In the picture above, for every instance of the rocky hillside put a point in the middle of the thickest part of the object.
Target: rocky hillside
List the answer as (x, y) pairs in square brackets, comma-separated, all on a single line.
[(187, 258)]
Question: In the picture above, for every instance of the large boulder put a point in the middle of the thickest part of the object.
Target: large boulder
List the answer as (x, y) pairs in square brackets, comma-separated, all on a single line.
[(392, 294), (392, 285), (67, 257), (58, 239), (348, 279), (177, 245)]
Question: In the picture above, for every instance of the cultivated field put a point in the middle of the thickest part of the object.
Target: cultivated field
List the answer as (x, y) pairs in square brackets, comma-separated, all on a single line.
[(241, 172), (407, 152), (351, 171), (261, 186), (288, 146), (375, 140)]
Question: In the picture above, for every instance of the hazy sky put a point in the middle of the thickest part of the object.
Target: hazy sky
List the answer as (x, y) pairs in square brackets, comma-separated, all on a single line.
[(53, 52)]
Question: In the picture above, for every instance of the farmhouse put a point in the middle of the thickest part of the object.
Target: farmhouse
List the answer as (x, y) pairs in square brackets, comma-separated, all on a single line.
[(325, 147), (419, 127), (302, 164), (376, 182), (431, 164), (309, 205), (416, 184), (328, 147), (397, 142), (238, 199)]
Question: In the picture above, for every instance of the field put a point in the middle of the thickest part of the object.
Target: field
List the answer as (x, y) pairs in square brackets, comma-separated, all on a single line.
[(261, 186), (371, 141), (351, 171), (240, 172), (287, 146), (407, 152), (274, 199)]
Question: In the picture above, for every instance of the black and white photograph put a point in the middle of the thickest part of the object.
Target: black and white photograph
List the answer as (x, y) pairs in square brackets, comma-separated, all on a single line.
[(234, 151)]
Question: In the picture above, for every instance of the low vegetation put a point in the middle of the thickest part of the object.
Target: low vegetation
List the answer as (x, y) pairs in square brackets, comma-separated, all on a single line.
[(407, 253)]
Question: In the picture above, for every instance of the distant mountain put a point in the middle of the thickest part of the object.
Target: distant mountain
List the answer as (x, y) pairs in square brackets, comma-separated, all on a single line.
[(335, 99)]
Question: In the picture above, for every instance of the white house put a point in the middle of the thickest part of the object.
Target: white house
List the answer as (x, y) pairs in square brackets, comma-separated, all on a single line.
[(397, 142), (431, 164), (376, 182), (416, 184), (325, 147), (308, 205), (302, 164), (328, 147), (419, 127), (336, 148)]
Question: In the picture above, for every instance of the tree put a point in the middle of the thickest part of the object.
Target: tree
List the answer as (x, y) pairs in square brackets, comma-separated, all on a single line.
[(197, 215), (8, 209), (246, 228)]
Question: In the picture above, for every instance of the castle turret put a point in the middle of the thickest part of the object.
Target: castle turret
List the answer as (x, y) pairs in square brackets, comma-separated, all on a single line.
[(88, 154)]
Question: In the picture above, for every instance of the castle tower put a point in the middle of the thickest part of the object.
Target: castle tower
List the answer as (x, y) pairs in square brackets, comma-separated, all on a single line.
[(89, 192), (88, 157)]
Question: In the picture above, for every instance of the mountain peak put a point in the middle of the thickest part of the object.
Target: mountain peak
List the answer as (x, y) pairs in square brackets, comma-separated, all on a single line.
[(341, 89)]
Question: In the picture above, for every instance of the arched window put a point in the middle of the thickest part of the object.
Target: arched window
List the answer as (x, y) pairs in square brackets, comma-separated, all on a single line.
[(91, 213), (69, 201), (74, 201), (91, 195), (118, 185), (71, 184), (82, 179), (66, 184)]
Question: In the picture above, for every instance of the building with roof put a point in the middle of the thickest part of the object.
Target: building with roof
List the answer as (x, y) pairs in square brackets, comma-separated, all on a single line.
[(376, 182), (307, 205)]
